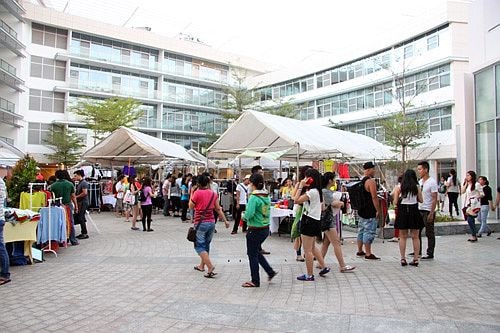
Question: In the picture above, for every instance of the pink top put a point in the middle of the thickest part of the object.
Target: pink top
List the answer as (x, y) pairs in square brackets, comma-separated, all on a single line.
[(201, 198), (148, 193)]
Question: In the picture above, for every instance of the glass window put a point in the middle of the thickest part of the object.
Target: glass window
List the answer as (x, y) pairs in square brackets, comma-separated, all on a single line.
[(486, 147), (432, 42), (485, 95)]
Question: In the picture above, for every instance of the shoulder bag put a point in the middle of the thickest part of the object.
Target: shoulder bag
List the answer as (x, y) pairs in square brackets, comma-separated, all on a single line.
[(191, 235)]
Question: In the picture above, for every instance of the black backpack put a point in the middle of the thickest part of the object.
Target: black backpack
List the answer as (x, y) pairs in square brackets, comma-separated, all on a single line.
[(142, 196), (356, 191)]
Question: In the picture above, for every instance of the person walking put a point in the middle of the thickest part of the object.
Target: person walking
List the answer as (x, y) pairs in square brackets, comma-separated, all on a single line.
[(333, 204), (472, 191), (4, 256), (120, 193), (453, 190), (82, 201), (175, 194), (257, 218), (486, 205), (146, 204), (204, 201), (241, 202), (406, 199), (310, 224), (441, 194), (368, 214)]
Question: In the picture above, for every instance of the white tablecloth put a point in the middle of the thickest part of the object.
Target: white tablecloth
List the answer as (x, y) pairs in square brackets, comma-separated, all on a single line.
[(109, 199), (275, 217)]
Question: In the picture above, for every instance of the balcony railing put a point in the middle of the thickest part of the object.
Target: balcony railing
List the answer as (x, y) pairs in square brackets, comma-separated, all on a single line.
[(134, 93), (7, 67), (85, 53), (7, 106), (8, 29)]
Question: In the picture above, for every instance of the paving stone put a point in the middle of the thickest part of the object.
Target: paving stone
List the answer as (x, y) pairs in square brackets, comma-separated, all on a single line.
[(124, 281)]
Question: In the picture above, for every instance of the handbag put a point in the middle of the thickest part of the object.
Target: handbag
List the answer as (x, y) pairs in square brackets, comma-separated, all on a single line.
[(474, 207), (191, 234), (327, 219), (129, 198)]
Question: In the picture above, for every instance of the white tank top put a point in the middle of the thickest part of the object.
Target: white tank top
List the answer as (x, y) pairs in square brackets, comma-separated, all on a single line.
[(410, 199)]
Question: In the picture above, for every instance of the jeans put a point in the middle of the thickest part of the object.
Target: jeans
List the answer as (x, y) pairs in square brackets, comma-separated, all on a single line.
[(471, 220), (80, 217), (429, 233), (166, 206), (146, 216), (367, 229), (72, 236), (237, 219), (204, 237), (452, 201), (483, 218), (4, 256), (255, 238), (176, 204)]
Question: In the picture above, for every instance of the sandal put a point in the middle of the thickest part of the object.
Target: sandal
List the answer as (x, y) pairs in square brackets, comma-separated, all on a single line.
[(196, 268), (347, 269), (404, 262), (414, 263), (4, 281), (210, 275), (249, 284)]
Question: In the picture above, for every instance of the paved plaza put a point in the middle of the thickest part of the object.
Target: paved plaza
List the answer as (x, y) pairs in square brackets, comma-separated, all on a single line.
[(121, 280)]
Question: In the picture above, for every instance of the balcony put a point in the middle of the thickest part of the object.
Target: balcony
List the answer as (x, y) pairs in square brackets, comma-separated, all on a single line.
[(8, 76), (83, 56), (13, 7), (8, 37), (8, 113), (89, 89)]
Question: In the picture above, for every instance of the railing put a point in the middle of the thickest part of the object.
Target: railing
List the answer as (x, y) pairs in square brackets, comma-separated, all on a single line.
[(6, 105), (7, 67), (88, 55), (135, 93), (7, 28)]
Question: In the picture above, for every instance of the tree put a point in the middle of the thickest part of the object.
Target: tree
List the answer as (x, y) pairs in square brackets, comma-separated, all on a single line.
[(282, 109), (210, 140), (402, 130), (66, 144), (239, 97), (23, 173), (106, 116)]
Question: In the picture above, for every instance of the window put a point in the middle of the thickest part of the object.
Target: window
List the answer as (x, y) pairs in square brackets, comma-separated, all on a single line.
[(49, 36), (408, 51), (432, 42), (47, 101), (38, 133), (48, 68)]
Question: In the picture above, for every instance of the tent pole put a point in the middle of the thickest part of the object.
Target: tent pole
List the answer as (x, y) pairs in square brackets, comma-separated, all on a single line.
[(298, 158), (239, 169)]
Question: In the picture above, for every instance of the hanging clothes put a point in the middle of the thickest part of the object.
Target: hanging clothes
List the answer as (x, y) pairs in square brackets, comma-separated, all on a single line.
[(38, 200), (56, 224)]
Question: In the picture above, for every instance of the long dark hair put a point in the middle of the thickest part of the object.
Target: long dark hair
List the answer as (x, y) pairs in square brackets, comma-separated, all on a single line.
[(316, 176), (302, 175), (257, 180), (486, 182), (146, 182), (327, 176), (204, 179), (409, 183), (453, 174), (473, 177)]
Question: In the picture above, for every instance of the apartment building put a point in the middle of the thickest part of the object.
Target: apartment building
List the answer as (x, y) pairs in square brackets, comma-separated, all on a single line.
[(425, 71), (179, 83)]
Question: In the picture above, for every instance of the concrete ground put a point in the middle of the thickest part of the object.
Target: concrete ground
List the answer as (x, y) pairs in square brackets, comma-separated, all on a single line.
[(121, 280)]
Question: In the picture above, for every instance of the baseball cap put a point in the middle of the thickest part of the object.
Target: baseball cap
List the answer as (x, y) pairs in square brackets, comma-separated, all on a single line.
[(247, 177), (369, 165)]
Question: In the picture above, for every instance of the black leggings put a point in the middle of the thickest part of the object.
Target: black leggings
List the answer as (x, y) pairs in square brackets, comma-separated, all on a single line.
[(184, 207), (146, 215), (452, 201)]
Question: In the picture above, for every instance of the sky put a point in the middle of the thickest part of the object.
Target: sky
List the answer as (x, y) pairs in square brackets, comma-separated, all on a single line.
[(285, 33)]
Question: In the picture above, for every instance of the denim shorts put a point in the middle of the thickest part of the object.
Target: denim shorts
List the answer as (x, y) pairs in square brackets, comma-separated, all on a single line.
[(204, 237), (367, 229)]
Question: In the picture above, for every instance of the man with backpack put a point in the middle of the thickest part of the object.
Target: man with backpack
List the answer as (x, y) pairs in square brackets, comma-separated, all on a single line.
[(368, 211)]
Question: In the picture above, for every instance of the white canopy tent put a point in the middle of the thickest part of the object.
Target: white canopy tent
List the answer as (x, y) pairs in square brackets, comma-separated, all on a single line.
[(295, 139), (9, 155), (126, 145), (202, 158)]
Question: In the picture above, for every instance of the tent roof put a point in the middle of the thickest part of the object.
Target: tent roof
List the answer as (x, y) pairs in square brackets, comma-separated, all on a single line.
[(202, 158), (262, 132), (125, 144), (9, 154)]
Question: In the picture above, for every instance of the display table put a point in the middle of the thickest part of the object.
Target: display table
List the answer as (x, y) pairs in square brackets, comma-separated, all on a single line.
[(22, 231), (275, 217)]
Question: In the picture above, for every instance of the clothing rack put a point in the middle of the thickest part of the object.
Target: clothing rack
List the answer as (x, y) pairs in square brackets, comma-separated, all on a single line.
[(49, 222), (31, 192)]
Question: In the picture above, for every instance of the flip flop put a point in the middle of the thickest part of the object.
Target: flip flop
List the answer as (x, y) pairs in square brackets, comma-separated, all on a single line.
[(196, 268), (4, 281), (210, 275), (347, 269), (249, 284)]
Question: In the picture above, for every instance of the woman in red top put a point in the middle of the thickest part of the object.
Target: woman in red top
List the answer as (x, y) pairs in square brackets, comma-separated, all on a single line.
[(204, 201)]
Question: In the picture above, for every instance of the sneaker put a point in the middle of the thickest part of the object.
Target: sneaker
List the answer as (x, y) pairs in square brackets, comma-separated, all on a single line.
[(305, 278), (428, 257), (360, 253), (271, 276), (372, 257), (324, 271)]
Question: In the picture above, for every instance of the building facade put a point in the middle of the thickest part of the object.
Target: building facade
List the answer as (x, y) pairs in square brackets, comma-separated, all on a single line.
[(180, 84), (424, 72)]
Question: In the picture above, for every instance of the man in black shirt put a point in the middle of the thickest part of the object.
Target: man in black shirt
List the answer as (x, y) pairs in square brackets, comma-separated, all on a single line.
[(82, 200)]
